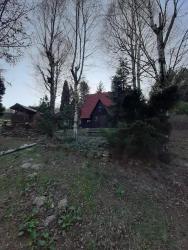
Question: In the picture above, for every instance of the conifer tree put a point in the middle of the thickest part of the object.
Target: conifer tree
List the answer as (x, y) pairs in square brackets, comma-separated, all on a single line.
[(120, 80), (65, 97), (2, 92), (119, 86), (67, 107), (100, 87), (84, 91)]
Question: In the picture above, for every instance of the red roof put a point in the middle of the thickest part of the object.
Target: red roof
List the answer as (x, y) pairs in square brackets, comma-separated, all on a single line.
[(91, 102)]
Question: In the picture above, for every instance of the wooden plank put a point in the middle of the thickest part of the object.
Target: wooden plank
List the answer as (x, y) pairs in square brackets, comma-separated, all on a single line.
[(10, 151)]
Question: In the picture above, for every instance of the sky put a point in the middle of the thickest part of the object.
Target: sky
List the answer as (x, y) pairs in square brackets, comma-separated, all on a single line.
[(22, 86), (25, 89)]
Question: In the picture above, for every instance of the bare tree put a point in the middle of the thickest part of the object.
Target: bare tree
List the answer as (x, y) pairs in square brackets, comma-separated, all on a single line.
[(144, 31), (122, 36), (13, 36), (53, 47), (82, 22), (161, 17)]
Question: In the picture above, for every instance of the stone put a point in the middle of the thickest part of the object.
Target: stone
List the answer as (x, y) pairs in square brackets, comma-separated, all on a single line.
[(33, 175), (39, 201), (50, 219), (62, 204), (26, 165), (29, 165), (30, 159), (36, 166)]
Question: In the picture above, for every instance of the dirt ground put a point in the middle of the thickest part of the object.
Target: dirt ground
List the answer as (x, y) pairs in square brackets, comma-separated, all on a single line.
[(107, 205)]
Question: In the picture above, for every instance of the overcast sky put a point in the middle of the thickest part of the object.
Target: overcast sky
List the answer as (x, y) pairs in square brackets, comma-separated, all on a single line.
[(24, 88)]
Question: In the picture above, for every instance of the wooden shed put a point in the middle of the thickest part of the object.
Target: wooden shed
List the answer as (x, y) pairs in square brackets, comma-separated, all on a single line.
[(24, 116)]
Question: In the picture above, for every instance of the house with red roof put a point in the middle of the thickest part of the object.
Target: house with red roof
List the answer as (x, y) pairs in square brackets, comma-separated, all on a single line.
[(95, 110)]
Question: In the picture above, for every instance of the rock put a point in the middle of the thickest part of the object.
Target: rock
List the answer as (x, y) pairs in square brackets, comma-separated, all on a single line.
[(33, 175), (186, 164), (29, 165), (39, 201), (26, 165), (62, 204), (49, 220), (36, 166), (30, 159)]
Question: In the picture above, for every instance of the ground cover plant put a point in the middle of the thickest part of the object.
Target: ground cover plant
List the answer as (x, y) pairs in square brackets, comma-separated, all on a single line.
[(55, 197)]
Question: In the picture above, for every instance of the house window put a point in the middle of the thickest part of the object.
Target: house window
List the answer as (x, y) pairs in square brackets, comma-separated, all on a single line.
[(100, 108)]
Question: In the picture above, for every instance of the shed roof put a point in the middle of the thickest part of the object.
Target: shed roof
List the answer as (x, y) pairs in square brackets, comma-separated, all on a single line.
[(21, 108), (91, 102)]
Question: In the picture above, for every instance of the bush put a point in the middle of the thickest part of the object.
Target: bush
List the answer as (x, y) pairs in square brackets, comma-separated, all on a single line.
[(139, 139), (162, 101), (181, 108), (147, 129), (46, 124)]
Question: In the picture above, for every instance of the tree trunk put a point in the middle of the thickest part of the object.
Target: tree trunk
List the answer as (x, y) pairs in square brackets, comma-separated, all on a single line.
[(52, 84), (162, 59), (75, 127), (52, 100), (134, 73), (138, 66)]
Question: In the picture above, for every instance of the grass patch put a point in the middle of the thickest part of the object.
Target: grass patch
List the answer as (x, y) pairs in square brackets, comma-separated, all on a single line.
[(86, 184)]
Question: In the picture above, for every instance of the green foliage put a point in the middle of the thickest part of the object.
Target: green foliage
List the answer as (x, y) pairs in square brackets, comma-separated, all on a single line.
[(120, 192), (37, 238), (139, 139), (69, 218), (29, 227), (119, 86), (181, 108), (66, 115), (2, 92), (87, 183), (133, 106), (44, 105), (162, 100), (119, 82), (46, 122), (65, 97), (84, 91), (92, 147), (147, 128)]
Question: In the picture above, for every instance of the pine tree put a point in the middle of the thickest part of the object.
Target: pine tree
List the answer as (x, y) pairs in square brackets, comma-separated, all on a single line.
[(2, 92), (44, 105), (119, 82), (119, 86), (67, 107), (65, 97), (100, 87), (84, 91)]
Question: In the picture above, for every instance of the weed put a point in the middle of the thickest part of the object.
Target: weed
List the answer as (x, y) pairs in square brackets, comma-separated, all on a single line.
[(120, 192), (70, 217), (37, 239), (91, 245), (29, 227)]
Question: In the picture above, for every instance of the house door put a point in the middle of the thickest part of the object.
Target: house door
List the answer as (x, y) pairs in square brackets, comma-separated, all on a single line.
[(99, 121)]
